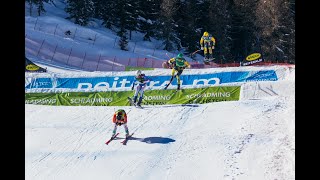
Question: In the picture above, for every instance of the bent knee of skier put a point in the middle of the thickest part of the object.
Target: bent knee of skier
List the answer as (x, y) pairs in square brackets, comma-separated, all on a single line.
[(173, 72)]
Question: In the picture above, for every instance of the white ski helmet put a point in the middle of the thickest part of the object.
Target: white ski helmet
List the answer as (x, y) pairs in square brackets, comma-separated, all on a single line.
[(138, 73)]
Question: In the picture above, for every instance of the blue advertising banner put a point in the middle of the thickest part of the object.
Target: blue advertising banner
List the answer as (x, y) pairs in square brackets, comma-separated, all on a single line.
[(40, 83), (114, 82)]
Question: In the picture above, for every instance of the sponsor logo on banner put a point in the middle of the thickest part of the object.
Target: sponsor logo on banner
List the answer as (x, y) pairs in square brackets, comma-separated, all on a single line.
[(252, 59), (39, 83), (32, 67), (213, 94), (152, 97), (116, 82), (253, 56), (90, 100)]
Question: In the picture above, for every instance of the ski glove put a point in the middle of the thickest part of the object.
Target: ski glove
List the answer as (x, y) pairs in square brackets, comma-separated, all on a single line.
[(119, 123)]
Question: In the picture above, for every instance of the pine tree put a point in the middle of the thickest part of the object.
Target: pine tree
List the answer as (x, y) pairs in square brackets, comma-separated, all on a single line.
[(107, 10), (167, 26), (187, 19), (99, 8), (80, 10), (243, 29), (275, 20), (120, 14), (39, 4), (132, 11), (220, 28), (123, 42), (148, 12)]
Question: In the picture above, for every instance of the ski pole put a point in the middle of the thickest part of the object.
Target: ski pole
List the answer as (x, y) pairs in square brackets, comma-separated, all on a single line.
[(195, 52), (172, 77), (168, 56)]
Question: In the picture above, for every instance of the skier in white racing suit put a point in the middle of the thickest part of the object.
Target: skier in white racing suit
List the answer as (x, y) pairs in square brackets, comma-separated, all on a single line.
[(140, 84)]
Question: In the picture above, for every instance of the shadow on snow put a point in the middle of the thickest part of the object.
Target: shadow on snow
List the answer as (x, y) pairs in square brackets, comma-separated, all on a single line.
[(152, 140)]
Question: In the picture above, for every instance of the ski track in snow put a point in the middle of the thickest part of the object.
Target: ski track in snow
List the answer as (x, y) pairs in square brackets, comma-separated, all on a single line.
[(70, 148), (230, 137)]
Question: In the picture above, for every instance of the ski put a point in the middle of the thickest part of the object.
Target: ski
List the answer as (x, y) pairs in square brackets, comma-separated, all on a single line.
[(208, 60), (174, 92), (195, 52), (124, 142), (112, 138), (131, 101), (133, 104), (171, 79)]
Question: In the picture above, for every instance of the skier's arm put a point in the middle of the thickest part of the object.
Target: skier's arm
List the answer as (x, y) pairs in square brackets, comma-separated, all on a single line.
[(125, 119), (170, 63), (133, 85), (114, 118), (147, 79), (213, 41), (171, 60), (201, 43), (186, 63)]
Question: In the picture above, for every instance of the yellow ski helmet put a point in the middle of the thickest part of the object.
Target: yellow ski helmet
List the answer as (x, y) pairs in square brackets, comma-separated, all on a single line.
[(205, 33)]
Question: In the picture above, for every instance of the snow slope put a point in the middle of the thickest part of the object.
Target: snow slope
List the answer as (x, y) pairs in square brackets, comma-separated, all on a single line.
[(89, 48), (250, 139)]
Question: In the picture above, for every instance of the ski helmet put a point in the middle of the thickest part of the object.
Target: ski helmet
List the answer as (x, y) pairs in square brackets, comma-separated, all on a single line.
[(138, 73), (180, 55), (205, 33)]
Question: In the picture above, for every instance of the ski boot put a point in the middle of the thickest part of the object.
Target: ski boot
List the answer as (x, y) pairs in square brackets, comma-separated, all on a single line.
[(139, 103), (211, 58), (113, 134), (206, 62), (206, 57), (135, 99), (140, 100)]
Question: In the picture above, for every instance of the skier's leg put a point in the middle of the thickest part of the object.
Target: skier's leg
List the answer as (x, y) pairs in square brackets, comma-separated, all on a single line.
[(136, 94), (126, 129), (178, 78), (141, 95), (114, 129), (205, 51), (210, 52), (178, 81), (172, 76), (172, 73)]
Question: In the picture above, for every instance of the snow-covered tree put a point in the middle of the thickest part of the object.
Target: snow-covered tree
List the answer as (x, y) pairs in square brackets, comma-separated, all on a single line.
[(80, 11)]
